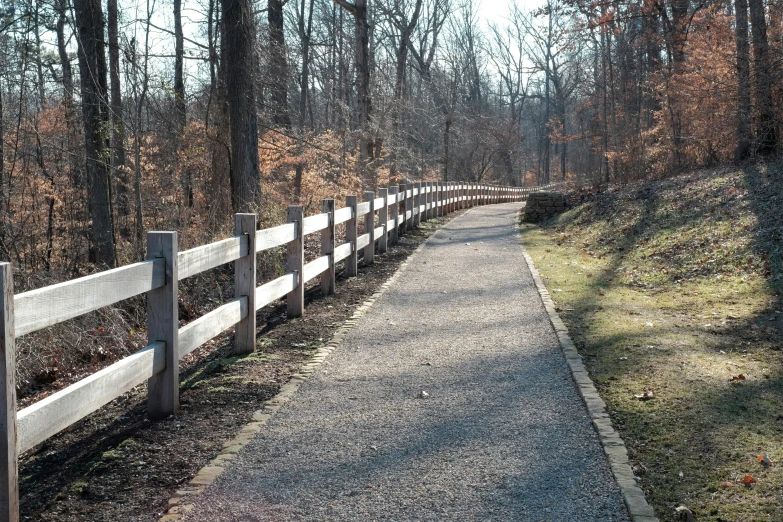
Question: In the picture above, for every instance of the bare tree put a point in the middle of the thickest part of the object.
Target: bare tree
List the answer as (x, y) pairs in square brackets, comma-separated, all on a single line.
[(743, 149), (117, 121), (766, 133), (240, 67), (95, 111), (358, 9), (278, 63)]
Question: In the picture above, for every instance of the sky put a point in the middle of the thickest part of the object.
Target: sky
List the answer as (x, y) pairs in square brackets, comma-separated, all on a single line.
[(496, 11)]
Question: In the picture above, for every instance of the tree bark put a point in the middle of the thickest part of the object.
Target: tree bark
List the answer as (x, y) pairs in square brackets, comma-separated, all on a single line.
[(95, 111), (743, 150), (364, 103), (240, 66), (278, 64), (766, 134), (117, 122)]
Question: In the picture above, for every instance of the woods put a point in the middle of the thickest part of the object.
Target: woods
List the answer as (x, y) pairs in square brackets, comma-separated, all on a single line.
[(184, 113)]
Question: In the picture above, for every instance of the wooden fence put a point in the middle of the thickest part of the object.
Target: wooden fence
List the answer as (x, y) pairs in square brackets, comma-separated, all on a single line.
[(392, 212)]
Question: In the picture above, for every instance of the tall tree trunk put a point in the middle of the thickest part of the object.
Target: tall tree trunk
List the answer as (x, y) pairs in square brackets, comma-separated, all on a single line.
[(766, 135), (245, 175), (61, 8), (364, 103), (278, 64), (742, 152), (117, 122), (95, 111), (305, 26), (180, 103)]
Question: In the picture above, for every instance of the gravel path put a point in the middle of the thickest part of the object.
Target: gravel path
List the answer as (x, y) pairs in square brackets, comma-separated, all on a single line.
[(500, 435)]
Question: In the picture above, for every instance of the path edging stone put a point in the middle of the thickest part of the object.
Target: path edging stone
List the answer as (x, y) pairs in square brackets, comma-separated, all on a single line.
[(180, 503), (617, 454)]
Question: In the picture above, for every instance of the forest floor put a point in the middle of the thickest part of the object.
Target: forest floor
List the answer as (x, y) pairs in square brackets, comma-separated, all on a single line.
[(117, 465), (672, 293)]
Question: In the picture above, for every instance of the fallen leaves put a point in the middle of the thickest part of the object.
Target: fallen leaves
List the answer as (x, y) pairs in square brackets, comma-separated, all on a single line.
[(738, 378), (727, 484), (646, 396), (684, 514), (748, 480), (764, 460)]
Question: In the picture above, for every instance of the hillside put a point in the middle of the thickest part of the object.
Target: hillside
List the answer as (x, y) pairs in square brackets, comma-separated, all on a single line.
[(671, 291)]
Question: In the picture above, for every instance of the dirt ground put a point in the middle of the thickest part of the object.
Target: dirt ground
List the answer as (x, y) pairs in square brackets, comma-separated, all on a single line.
[(117, 465)]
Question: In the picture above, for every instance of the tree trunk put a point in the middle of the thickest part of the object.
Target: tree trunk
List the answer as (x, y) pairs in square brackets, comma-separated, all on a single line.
[(742, 152), (180, 102), (766, 135), (245, 176), (117, 122), (278, 64), (364, 103), (95, 110)]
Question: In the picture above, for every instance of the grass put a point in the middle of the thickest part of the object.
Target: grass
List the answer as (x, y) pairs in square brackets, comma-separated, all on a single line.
[(673, 287)]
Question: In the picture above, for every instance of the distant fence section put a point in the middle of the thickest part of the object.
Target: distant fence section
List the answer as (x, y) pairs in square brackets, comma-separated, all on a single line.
[(385, 216)]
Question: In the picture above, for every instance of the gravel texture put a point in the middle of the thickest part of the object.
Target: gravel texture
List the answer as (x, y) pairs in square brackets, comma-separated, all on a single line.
[(449, 400)]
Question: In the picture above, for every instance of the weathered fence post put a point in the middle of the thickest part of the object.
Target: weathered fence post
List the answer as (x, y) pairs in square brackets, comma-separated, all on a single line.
[(245, 284), (383, 221), (351, 265), (369, 228), (163, 325), (327, 248), (9, 461), (295, 261), (438, 199), (395, 212), (407, 222), (416, 204), (431, 186)]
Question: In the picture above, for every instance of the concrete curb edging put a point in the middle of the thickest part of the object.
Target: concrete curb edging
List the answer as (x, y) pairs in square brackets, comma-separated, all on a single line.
[(179, 504), (638, 508)]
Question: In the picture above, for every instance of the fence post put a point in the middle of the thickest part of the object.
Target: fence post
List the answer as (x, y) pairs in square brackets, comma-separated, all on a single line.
[(327, 248), (383, 221), (9, 461), (416, 202), (351, 265), (431, 187), (295, 260), (407, 222), (369, 228), (245, 284), (163, 325), (395, 212)]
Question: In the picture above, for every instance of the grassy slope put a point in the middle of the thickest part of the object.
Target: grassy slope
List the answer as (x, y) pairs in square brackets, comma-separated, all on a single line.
[(674, 287)]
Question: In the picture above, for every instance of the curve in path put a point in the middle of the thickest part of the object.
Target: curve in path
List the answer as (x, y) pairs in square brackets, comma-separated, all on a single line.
[(500, 435)]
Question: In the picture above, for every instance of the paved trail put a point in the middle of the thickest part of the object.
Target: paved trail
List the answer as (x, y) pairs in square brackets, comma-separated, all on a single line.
[(502, 434)]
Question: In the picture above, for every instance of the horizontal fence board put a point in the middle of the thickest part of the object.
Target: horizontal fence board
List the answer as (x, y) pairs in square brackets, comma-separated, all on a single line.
[(400, 220), (363, 208), (362, 241), (378, 203), (38, 422), (275, 289), (393, 198), (315, 223), (54, 304), (201, 330), (409, 214), (380, 231), (342, 251), (315, 268), (196, 260), (342, 215), (275, 236)]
